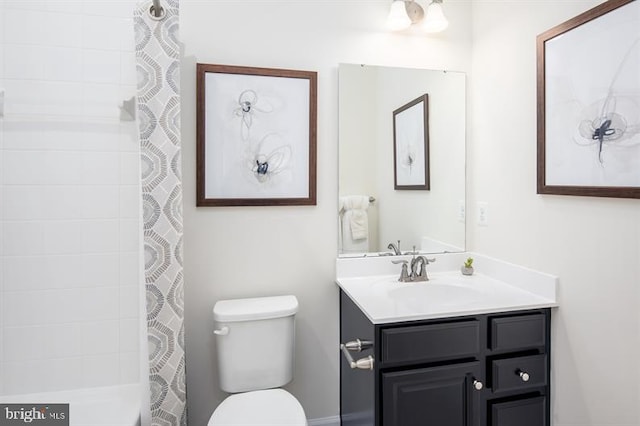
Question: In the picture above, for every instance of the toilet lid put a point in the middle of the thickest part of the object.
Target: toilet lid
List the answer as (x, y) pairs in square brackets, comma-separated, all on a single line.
[(271, 407)]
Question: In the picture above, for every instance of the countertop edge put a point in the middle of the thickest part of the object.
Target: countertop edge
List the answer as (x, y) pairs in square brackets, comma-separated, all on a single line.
[(442, 315)]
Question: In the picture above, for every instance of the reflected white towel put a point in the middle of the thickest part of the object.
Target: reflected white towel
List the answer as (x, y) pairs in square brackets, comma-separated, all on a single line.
[(359, 224), (355, 222), (354, 202)]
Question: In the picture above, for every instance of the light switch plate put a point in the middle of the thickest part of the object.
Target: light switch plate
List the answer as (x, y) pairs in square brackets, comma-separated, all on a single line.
[(462, 211), (483, 213)]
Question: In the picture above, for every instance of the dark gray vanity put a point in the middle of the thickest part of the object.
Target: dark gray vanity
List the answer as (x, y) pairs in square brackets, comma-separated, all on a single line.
[(490, 369)]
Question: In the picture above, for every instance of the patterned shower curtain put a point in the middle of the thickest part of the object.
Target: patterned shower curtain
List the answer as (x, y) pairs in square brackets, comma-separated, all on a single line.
[(158, 112)]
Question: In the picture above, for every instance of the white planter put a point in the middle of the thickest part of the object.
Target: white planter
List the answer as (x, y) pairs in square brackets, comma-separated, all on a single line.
[(466, 271)]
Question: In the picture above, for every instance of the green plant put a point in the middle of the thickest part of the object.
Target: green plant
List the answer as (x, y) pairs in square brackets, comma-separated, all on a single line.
[(468, 263)]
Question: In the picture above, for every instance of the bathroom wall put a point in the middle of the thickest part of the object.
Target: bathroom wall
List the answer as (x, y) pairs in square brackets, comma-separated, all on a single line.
[(592, 244), (1, 185), (69, 227), (258, 251)]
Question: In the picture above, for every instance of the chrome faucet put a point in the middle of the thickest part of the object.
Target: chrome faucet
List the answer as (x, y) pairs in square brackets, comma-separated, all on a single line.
[(416, 275), (422, 274), (395, 248)]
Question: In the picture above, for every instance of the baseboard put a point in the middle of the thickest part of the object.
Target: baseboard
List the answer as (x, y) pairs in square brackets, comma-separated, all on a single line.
[(325, 421)]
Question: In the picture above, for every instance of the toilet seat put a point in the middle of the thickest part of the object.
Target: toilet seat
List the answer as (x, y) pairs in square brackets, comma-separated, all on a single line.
[(271, 407)]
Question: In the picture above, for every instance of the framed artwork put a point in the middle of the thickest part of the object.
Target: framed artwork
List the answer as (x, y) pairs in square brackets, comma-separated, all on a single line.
[(411, 145), (256, 136), (588, 104)]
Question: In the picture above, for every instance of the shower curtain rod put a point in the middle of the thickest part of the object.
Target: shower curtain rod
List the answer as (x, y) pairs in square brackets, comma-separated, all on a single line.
[(156, 9)]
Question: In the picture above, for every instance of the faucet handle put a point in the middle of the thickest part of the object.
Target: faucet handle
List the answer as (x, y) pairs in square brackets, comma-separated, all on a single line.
[(404, 274), (431, 260)]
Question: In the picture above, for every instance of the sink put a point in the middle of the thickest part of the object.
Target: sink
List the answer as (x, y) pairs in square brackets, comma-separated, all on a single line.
[(424, 294), (440, 291), (373, 285)]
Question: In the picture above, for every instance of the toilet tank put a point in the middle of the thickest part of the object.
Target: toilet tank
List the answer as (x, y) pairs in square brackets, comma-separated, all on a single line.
[(255, 342)]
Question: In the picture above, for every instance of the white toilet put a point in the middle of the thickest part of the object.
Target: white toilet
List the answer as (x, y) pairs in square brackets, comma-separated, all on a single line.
[(254, 343)]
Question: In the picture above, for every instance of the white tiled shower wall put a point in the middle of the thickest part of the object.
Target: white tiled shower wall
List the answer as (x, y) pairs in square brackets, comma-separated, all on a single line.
[(69, 199)]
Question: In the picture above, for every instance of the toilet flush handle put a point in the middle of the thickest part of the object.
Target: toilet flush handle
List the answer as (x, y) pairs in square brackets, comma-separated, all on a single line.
[(221, 332)]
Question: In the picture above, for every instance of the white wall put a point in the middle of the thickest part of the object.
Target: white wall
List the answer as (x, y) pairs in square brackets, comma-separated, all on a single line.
[(1, 185), (592, 244), (254, 251), (68, 197)]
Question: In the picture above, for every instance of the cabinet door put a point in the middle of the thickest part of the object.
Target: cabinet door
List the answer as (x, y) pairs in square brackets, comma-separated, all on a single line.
[(525, 412), (438, 396)]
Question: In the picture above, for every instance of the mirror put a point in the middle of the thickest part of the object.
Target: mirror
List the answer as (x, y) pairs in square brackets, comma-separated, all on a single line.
[(372, 213)]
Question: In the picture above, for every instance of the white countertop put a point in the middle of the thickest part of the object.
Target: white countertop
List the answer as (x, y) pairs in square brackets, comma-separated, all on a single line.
[(500, 287)]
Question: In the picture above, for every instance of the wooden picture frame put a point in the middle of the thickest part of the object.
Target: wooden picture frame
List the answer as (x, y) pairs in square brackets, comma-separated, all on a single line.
[(411, 145), (256, 136), (588, 120)]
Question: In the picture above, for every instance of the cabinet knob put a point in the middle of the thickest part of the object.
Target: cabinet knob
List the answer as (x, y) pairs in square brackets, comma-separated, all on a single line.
[(477, 385), (524, 376)]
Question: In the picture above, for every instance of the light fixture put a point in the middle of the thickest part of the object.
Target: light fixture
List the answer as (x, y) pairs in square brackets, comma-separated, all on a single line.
[(403, 13), (435, 20), (398, 19)]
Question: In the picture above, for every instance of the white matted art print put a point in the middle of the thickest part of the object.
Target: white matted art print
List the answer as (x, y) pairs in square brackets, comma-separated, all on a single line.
[(256, 136), (589, 103)]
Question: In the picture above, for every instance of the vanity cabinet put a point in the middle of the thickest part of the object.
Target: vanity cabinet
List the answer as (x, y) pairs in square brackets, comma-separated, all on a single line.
[(478, 370), (440, 396)]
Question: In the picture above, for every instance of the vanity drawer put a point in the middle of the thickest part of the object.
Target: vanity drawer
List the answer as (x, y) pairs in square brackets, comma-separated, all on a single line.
[(517, 332), (524, 412), (432, 342), (519, 373)]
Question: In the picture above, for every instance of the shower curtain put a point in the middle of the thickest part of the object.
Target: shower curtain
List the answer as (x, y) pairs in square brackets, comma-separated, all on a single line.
[(158, 113)]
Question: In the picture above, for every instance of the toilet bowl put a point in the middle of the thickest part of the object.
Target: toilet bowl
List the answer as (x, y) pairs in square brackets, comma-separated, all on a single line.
[(254, 344), (271, 407)]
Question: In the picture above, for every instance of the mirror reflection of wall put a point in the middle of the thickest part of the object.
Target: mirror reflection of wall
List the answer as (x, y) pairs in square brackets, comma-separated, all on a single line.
[(429, 220)]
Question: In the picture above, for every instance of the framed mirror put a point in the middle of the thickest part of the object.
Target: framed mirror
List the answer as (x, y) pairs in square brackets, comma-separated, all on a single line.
[(372, 212)]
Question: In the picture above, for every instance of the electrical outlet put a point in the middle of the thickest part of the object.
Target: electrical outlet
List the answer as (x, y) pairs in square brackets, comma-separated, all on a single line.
[(462, 211), (483, 213)]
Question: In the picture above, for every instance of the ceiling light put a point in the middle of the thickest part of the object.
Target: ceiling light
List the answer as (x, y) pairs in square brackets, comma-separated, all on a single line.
[(403, 13), (398, 19), (435, 20)]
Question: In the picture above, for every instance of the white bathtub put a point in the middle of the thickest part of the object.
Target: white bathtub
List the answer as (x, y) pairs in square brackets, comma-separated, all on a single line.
[(107, 406)]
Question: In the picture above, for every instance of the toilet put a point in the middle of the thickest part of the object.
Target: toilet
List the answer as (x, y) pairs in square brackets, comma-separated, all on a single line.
[(255, 344)]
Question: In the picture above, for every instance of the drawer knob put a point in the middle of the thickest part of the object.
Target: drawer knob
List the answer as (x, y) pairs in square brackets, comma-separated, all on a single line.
[(477, 385), (523, 375)]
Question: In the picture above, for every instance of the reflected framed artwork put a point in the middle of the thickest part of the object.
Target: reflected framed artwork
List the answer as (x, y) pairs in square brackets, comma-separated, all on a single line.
[(411, 145), (588, 105), (256, 136)]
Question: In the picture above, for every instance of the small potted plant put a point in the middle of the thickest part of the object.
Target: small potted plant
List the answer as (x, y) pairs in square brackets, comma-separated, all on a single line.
[(467, 268)]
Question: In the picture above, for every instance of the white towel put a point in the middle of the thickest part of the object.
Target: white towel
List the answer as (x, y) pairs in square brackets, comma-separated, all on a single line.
[(359, 225), (354, 202), (355, 223)]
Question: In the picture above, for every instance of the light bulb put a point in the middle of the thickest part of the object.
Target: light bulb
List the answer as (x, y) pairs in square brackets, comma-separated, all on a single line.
[(398, 19), (435, 20)]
